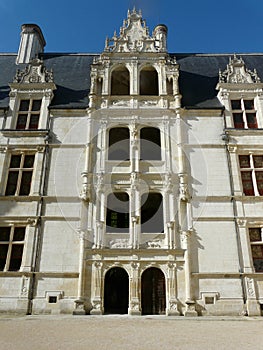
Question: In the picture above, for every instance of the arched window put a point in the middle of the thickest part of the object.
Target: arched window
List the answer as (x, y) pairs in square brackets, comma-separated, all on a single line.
[(117, 219), (150, 144), (119, 144), (152, 213), (149, 81), (120, 81)]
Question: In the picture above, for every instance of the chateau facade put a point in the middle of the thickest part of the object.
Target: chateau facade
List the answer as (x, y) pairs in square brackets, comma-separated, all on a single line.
[(131, 180)]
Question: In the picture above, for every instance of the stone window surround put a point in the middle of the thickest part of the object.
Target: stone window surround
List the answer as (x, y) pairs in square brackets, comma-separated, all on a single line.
[(136, 136), (17, 95)]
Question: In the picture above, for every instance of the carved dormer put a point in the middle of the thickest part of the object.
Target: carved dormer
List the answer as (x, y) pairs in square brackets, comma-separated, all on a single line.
[(240, 91), (134, 36), (135, 69), (32, 89), (237, 73), (35, 72)]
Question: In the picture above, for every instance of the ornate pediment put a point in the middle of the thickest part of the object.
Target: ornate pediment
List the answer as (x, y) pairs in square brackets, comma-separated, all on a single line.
[(35, 72), (134, 36), (237, 73)]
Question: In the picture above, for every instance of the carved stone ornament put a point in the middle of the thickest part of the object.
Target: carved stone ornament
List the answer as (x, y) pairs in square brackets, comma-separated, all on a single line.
[(85, 192), (250, 287), (35, 72), (120, 243), (32, 221), (237, 73), (156, 243), (134, 36)]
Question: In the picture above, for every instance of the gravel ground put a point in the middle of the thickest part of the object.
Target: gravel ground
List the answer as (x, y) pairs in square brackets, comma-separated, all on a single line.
[(129, 333)]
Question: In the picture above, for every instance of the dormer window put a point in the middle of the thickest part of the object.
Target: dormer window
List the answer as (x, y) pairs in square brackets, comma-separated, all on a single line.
[(28, 114), (244, 114)]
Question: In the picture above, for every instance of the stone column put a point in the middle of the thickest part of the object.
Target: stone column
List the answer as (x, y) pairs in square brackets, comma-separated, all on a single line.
[(190, 302), (171, 308), (134, 86), (79, 303), (96, 287), (134, 301), (166, 149), (134, 147), (100, 211)]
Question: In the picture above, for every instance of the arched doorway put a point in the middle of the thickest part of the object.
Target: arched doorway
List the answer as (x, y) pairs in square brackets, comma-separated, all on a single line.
[(153, 292), (116, 291)]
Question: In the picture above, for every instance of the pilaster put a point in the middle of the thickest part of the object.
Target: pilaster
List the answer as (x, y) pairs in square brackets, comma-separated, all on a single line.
[(97, 306)]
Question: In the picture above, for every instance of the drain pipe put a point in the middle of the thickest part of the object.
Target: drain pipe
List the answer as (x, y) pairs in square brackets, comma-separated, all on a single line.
[(225, 138)]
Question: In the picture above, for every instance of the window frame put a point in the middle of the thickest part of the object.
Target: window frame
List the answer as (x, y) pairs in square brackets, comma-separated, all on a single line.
[(28, 113), (11, 243), (253, 170), (20, 170), (244, 112), (254, 243)]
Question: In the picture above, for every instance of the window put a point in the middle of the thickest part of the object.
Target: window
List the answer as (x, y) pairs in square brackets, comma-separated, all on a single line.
[(11, 247), (117, 219), (120, 81), (28, 115), (150, 144), (119, 144), (244, 114), (20, 174), (251, 167), (152, 213), (256, 242), (149, 82)]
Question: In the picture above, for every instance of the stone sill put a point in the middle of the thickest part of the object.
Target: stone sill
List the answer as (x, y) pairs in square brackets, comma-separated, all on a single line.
[(25, 133)]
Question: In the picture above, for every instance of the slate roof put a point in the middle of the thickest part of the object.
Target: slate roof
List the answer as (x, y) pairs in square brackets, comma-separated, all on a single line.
[(197, 80)]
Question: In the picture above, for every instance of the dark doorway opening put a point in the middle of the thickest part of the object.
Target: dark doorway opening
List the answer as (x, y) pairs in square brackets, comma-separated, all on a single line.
[(116, 291), (153, 292)]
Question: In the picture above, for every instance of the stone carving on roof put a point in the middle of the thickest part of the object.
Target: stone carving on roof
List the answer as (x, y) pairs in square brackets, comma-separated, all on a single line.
[(35, 72), (134, 36), (237, 73)]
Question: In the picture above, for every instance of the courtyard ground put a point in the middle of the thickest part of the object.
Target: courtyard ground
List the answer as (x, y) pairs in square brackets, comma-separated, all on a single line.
[(129, 333)]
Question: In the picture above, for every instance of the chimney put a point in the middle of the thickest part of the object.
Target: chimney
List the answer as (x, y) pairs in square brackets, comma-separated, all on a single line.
[(32, 43), (160, 33)]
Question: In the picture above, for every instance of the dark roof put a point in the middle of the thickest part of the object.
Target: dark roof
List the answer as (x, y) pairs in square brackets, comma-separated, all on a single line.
[(199, 76), (197, 80), (72, 79)]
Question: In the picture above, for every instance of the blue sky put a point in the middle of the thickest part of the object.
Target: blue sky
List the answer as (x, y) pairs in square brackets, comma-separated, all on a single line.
[(209, 26)]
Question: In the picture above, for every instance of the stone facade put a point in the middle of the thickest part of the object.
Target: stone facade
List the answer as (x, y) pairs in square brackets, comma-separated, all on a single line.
[(118, 195)]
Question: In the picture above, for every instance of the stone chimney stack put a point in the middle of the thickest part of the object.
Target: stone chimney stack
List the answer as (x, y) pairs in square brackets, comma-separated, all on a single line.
[(160, 33), (32, 43)]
